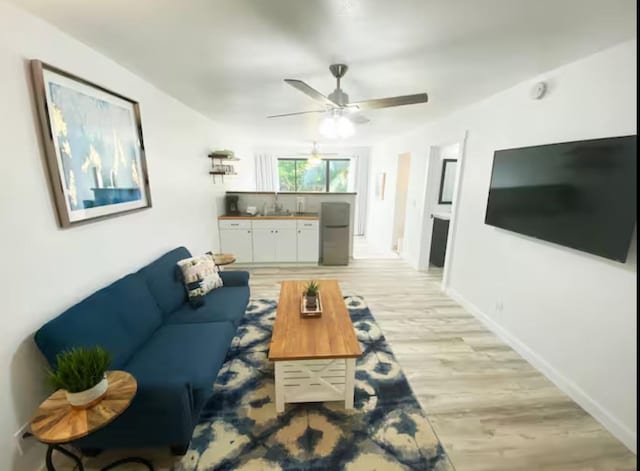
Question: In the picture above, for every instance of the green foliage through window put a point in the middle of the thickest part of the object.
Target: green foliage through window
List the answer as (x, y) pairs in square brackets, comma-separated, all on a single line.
[(328, 175)]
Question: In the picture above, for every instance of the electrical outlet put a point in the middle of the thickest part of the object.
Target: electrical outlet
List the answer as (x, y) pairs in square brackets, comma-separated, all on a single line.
[(22, 443)]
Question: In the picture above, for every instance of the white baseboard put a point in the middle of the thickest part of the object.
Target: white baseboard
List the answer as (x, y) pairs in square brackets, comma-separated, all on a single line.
[(620, 431)]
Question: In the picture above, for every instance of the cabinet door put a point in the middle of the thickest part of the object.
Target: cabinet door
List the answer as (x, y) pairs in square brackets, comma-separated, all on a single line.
[(264, 245), (308, 245), (439, 242), (238, 243), (285, 245)]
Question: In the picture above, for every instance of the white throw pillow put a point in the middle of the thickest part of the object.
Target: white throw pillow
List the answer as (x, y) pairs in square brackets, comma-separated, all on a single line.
[(200, 276)]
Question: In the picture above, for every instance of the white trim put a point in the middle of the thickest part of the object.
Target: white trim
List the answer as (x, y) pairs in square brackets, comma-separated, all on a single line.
[(453, 221), (590, 405)]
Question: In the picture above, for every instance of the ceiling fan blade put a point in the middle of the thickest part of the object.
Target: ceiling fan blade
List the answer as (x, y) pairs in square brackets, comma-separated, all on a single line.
[(359, 119), (311, 92), (294, 114), (391, 101)]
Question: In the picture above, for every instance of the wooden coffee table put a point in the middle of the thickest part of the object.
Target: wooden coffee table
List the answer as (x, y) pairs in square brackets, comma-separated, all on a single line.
[(315, 358), (57, 422)]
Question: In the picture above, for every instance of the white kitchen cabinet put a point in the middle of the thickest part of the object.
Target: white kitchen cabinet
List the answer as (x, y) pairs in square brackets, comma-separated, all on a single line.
[(285, 242), (263, 245), (238, 242), (270, 240), (308, 241)]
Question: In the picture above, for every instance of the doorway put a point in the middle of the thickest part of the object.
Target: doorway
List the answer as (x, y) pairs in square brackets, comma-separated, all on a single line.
[(443, 175), (400, 205)]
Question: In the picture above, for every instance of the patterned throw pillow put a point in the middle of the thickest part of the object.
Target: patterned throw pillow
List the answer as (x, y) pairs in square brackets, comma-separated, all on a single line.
[(200, 275)]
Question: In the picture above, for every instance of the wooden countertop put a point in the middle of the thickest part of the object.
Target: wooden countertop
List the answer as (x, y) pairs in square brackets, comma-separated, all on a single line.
[(297, 193), (307, 218), (329, 336)]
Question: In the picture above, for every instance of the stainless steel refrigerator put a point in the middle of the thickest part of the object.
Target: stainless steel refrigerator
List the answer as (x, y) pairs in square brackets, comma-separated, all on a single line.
[(334, 226)]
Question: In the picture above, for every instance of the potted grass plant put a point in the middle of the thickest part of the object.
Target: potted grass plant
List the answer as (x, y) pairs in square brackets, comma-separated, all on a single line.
[(81, 373), (311, 295)]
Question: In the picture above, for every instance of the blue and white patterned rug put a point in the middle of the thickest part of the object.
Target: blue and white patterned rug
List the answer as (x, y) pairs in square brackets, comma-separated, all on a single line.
[(239, 428)]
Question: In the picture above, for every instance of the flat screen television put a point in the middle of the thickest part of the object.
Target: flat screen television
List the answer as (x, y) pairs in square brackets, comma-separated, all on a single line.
[(578, 194)]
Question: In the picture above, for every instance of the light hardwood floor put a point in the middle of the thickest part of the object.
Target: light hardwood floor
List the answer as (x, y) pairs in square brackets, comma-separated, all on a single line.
[(490, 408)]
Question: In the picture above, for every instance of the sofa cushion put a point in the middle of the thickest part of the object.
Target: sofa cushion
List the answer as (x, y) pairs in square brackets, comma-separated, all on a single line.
[(223, 304), (165, 280), (192, 353), (119, 317)]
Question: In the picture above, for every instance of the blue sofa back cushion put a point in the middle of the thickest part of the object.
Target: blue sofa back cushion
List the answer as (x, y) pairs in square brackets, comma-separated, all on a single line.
[(120, 318), (165, 280)]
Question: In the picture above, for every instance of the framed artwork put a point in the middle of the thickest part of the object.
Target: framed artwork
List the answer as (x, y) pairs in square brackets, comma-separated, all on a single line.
[(380, 183), (447, 181), (93, 147)]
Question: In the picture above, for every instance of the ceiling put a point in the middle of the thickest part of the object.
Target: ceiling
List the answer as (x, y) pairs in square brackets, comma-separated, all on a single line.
[(227, 58)]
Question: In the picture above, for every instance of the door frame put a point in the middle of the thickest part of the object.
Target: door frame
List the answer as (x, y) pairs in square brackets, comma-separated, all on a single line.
[(453, 222), (408, 157), (434, 152)]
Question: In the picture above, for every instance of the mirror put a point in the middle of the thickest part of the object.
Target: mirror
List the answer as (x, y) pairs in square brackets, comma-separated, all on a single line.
[(447, 181)]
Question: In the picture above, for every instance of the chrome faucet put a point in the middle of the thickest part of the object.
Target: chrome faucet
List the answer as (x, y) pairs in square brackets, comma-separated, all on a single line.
[(276, 206)]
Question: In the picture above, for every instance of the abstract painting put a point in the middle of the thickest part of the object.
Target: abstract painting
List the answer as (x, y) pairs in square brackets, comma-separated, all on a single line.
[(93, 147)]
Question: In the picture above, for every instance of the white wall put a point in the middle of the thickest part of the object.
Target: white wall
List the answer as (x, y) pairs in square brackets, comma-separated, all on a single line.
[(570, 314), (45, 269)]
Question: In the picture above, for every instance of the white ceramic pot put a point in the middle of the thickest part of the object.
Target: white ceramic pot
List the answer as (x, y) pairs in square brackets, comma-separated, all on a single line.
[(89, 396)]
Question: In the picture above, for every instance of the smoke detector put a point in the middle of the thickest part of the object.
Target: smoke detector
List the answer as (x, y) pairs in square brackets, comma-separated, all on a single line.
[(538, 90)]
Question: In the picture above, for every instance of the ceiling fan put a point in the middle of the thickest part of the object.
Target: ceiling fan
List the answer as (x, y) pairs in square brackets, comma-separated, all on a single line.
[(341, 114), (313, 157)]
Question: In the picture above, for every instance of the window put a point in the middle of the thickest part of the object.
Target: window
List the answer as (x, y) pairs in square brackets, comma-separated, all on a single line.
[(301, 175)]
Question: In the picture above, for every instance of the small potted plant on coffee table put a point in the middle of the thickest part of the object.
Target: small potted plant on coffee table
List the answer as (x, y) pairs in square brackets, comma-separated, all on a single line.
[(81, 372), (311, 295)]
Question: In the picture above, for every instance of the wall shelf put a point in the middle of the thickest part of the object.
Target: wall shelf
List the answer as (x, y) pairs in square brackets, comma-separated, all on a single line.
[(219, 166)]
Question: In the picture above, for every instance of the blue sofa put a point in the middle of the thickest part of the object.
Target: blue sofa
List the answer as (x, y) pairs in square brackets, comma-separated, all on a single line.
[(172, 349)]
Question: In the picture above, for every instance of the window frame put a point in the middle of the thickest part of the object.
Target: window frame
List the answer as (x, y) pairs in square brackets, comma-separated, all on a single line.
[(325, 162)]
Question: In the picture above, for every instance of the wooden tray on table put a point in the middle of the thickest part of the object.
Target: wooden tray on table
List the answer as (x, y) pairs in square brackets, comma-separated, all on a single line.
[(305, 312)]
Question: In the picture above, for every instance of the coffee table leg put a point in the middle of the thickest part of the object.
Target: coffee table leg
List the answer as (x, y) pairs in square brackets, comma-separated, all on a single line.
[(67, 453), (349, 383), (279, 386), (128, 460)]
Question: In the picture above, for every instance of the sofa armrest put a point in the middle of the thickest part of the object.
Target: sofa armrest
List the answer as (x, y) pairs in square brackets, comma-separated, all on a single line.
[(235, 278)]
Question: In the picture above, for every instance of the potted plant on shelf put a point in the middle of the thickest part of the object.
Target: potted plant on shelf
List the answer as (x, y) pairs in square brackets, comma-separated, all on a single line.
[(311, 295), (81, 373)]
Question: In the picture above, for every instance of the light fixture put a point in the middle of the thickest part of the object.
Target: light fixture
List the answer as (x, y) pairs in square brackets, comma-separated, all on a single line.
[(315, 158), (336, 126)]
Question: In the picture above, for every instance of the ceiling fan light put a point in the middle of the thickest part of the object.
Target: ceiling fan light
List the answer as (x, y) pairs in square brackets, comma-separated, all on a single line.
[(314, 160), (329, 128), (344, 127)]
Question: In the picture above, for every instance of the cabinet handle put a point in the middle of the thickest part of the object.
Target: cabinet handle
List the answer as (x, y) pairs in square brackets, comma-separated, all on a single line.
[(248, 232), (234, 224)]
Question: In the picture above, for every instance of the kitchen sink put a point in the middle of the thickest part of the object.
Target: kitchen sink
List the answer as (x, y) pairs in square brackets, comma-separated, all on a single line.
[(281, 214)]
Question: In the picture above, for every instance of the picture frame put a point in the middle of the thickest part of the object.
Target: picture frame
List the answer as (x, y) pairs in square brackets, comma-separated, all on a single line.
[(447, 181), (93, 147)]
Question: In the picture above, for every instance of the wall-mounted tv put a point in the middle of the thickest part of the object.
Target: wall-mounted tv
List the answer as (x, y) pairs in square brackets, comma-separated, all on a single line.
[(578, 194)]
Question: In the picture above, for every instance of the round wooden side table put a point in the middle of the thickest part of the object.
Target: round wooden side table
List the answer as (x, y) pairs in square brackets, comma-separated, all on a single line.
[(57, 422), (223, 259)]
